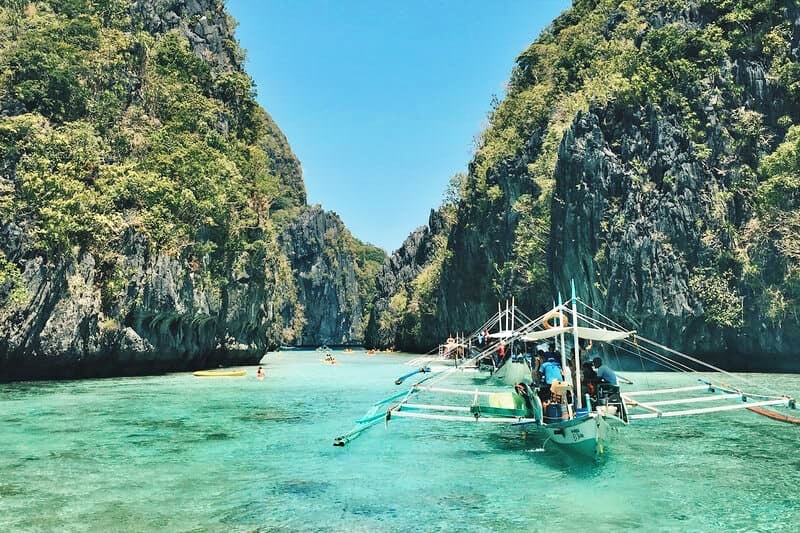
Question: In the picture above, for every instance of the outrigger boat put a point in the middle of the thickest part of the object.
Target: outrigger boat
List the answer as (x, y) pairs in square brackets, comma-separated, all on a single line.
[(485, 350), (567, 415), (453, 352), (329, 359)]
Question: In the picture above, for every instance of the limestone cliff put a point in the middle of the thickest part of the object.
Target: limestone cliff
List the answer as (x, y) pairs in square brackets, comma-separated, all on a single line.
[(204, 23), (393, 286), (143, 200), (325, 266), (644, 150)]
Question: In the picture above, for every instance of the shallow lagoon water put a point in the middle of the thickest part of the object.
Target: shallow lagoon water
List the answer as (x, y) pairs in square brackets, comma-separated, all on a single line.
[(179, 453)]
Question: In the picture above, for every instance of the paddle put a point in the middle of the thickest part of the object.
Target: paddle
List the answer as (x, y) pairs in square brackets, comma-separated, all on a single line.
[(401, 379)]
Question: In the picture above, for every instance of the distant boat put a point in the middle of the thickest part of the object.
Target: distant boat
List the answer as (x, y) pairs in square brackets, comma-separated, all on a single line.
[(479, 351), (219, 373)]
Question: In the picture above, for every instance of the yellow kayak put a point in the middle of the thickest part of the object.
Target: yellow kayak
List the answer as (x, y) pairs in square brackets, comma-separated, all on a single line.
[(219, 373)]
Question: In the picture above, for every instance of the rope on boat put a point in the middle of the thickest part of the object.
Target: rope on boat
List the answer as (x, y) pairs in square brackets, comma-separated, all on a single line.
[(707, 365), (666, 361), (647, 354)]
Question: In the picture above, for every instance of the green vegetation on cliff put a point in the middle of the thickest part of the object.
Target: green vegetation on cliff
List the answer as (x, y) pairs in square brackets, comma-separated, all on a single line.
[(124, 128), (631, 132), (110, 130), (143, 192)]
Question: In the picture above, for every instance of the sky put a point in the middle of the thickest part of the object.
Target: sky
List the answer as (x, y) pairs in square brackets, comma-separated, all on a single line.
[(382, 100)]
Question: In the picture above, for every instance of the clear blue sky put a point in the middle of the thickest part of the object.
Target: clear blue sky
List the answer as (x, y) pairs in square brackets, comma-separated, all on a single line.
[(381, 100)]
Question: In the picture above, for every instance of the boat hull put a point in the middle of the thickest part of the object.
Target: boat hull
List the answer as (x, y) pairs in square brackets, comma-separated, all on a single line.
[(219, 373), (586, 436)]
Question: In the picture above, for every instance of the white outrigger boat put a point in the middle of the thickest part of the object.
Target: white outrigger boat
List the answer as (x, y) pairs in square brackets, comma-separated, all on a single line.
[(567, 415), (481, 352)]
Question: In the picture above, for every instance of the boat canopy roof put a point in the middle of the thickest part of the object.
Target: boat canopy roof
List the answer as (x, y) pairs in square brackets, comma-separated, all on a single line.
[(503, 334), (594, 334)]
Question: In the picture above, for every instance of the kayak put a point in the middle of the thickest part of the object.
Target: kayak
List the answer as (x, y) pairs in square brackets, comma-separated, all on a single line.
[(219, 373)]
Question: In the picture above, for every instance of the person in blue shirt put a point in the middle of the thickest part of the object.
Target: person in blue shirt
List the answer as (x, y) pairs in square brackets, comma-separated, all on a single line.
[(607, 386), (604, 373), (550, 371)]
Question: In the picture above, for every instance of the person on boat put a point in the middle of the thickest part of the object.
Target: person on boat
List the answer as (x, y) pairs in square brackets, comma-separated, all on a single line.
[(571, 367), (551, 352), (550, 371), (607, 382), (260, 373), (538, 359), (604, 373), (589, 379)]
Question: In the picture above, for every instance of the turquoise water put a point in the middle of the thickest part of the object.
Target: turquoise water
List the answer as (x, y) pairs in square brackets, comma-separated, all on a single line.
[(179, 453)]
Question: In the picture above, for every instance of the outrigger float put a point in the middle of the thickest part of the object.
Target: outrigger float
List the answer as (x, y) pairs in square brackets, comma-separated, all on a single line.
[(568, 415)]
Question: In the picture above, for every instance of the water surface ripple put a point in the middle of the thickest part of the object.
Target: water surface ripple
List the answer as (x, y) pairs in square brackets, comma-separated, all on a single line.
[(179, 453)]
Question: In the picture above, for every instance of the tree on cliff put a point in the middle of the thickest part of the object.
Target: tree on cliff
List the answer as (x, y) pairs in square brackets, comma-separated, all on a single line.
[(142, 191), (637, 151)]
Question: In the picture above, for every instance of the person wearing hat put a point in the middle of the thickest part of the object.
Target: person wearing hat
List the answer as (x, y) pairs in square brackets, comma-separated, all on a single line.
[(604, 373), (551, 371)]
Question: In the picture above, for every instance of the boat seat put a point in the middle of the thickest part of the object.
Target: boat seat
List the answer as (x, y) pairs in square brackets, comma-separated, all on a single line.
[(559, 389)]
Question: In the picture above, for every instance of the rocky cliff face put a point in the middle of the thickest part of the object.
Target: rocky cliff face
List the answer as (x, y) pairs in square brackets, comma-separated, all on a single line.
[(323, 264), (635, 153), (163, 316), (284, 164), (204, 23), (137, 201), (658, 231), (400, 269)]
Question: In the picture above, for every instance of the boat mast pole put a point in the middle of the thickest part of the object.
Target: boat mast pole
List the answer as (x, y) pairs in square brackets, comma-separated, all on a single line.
[(563, 348), (454, 349), (496, 356), (513, 324), (577, 348)]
